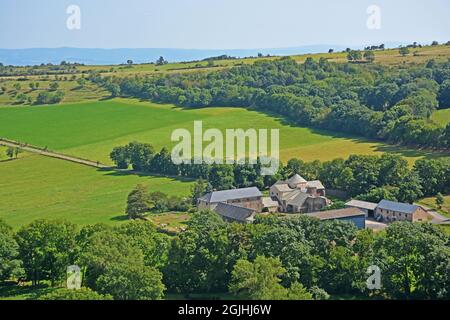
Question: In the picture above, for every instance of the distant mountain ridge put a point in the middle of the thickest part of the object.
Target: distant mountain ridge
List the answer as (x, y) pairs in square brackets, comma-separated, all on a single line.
[(95, 56)]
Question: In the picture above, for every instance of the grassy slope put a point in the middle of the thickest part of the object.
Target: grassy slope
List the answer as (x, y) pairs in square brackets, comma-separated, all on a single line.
[(385, 57), (431, 203), (91, 130), (72, 91), (92, 92), (38, 187), (390, 56)]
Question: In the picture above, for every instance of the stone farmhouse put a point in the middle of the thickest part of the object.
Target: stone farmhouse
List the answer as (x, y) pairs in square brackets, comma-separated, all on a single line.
[(296, 195)]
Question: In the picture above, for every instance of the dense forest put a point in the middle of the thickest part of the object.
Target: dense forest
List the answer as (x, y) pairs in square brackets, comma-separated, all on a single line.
[(370, 178), (290, 258), (387, 103)]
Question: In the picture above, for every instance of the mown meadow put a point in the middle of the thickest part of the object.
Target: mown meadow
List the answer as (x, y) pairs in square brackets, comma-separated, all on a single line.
[(92, 129), (34, 187), (37, 187)]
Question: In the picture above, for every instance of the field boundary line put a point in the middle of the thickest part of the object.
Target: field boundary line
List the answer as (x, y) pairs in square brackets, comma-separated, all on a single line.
[(52, 154), (95, 164)]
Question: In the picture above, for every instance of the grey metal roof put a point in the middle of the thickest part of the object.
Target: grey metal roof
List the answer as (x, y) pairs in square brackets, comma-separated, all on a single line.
[(233, 194), (397, 206), (234, 212), (337, 214), (362, 204)]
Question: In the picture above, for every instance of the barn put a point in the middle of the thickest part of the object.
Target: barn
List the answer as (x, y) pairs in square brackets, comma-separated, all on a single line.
[(367, 207), (355, 215)]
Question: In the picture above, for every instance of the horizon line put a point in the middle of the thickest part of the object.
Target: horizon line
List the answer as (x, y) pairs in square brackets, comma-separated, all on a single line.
[(209, 49)]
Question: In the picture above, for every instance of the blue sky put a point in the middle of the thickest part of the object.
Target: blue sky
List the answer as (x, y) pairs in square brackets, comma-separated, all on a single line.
[(219, 24)]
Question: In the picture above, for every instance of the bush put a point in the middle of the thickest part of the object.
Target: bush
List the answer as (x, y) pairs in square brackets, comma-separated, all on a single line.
[(49, 98), (81, 294), (319, 293)]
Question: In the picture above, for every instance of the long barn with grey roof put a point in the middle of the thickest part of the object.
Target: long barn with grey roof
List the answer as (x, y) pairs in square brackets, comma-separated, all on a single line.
[(390, 211), (244, 197)]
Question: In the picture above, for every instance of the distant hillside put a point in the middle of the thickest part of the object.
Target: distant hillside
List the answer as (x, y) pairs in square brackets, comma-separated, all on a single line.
[(88, 56)]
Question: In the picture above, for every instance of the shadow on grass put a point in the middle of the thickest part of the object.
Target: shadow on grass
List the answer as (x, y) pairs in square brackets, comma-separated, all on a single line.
[(381, 146), (111, 172), (106, 98), (15, 292), (413, 153), (120, 218)]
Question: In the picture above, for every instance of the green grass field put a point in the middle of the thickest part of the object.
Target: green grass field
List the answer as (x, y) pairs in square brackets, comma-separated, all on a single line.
[(3, 156), (441, 116), (25, 292), (91, 129), (170, 221), (33, 187), (431, 203)]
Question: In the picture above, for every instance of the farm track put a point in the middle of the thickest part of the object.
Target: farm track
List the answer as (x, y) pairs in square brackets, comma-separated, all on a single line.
[(53, 154), (86, 162)]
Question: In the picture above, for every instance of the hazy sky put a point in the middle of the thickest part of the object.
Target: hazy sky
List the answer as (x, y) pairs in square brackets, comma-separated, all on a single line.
[(219, 24)]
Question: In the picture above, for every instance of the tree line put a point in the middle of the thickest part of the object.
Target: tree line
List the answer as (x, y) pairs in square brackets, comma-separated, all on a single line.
[(274, 258), (386, 103), (370, 178)]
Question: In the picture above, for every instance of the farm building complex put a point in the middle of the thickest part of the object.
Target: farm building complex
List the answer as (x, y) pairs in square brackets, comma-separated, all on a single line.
[(297, 196)]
